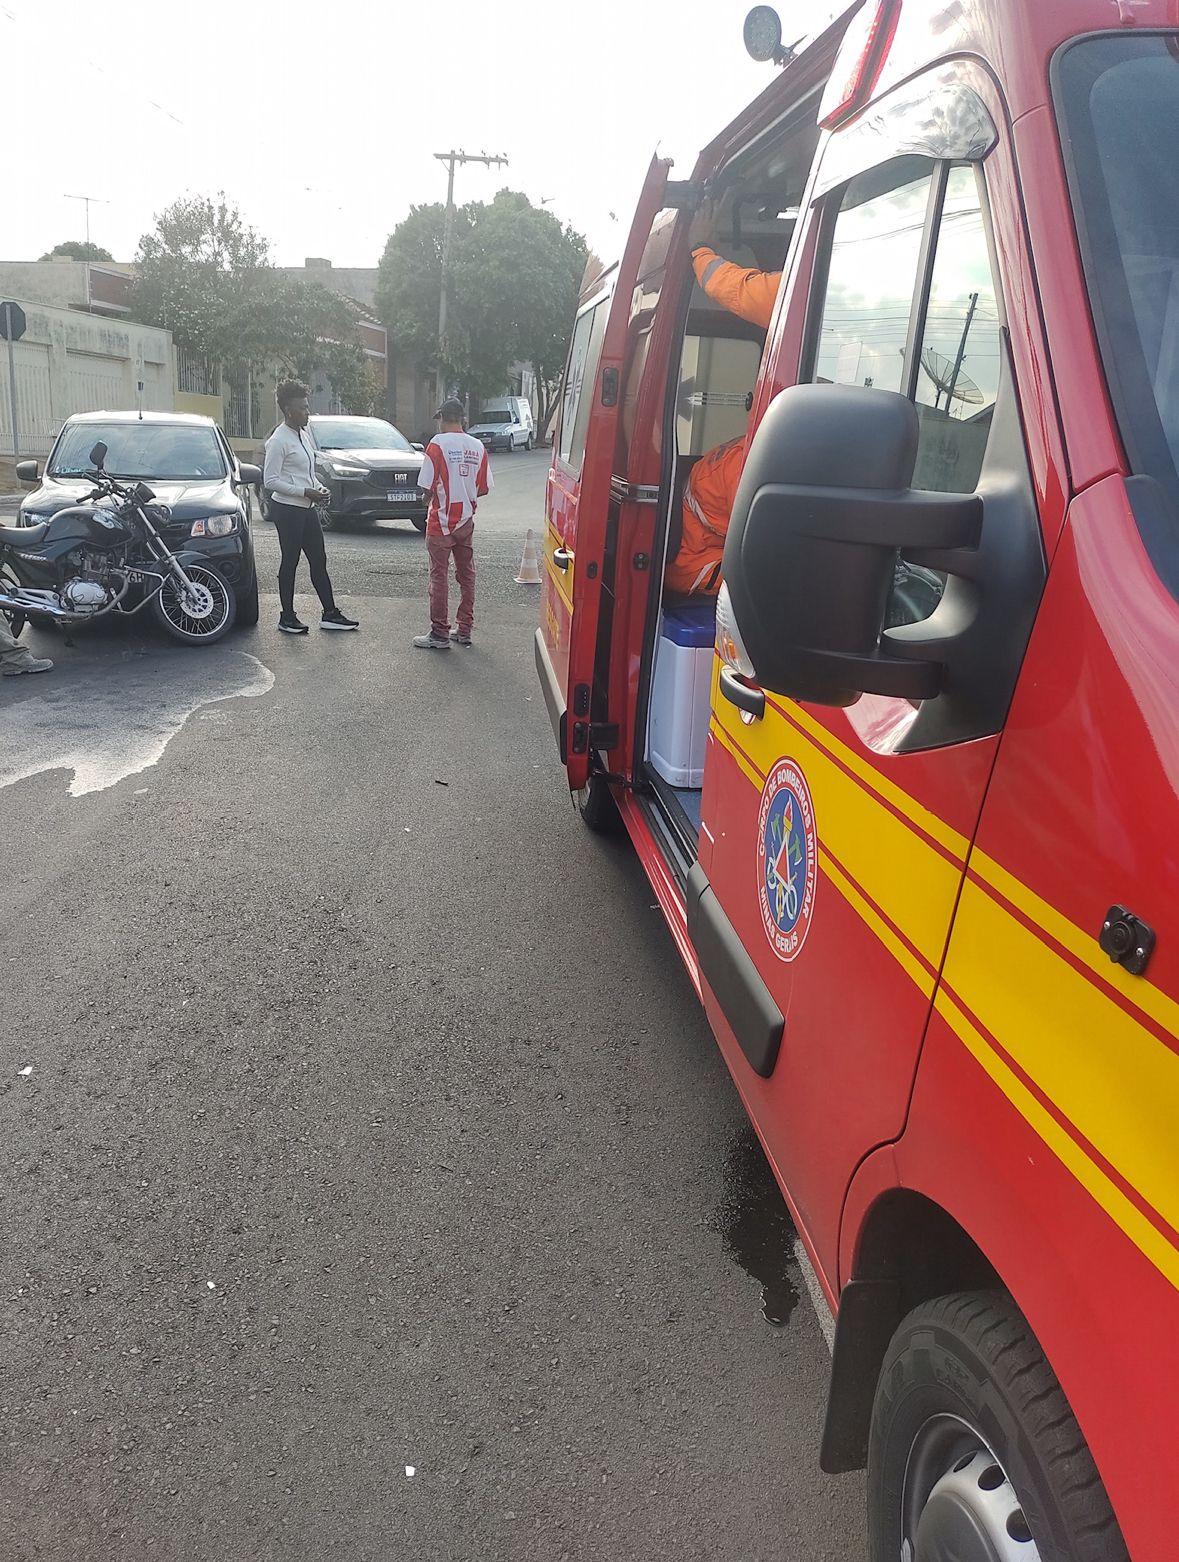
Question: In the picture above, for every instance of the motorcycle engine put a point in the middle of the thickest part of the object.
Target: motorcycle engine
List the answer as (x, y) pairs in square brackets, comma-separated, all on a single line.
[(84, 595)]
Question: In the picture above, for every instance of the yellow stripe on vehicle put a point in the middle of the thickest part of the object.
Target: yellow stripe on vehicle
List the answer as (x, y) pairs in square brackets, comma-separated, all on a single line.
[(1079, 1058), (1121, 1210), (746, 769), (895, 946), (892, 864), (1110, 1076), (935, 827), (1156, 1005), (562, 579)]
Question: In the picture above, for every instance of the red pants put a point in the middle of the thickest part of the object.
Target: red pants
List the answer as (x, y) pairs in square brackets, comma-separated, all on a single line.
[(440, 549)]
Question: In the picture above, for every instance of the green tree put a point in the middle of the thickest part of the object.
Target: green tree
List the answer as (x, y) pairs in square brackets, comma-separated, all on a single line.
[(409, 281), (521, 269), (205, 275), (77, 249), (512, 291)]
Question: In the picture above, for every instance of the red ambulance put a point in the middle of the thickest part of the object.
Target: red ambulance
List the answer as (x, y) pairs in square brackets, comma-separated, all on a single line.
[(910, 801)]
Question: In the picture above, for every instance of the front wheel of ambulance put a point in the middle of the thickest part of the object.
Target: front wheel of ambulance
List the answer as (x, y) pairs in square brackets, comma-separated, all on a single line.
[(974, 1454), (596, 805)]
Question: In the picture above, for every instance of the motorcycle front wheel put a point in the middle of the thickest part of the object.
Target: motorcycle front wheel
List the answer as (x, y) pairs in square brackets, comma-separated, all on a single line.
[(200, 616)]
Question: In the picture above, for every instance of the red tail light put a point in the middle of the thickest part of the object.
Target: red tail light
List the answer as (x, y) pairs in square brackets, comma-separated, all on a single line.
[(865, 47)]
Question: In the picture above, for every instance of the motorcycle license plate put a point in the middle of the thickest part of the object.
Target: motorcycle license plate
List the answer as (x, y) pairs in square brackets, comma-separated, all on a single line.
[(142, 577)]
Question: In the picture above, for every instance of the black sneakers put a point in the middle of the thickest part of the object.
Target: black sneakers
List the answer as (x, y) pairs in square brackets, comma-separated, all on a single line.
[(336, 620), (291, 624)]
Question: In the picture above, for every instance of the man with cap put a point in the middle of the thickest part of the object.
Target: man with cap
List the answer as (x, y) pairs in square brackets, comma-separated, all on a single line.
[(455, 474)]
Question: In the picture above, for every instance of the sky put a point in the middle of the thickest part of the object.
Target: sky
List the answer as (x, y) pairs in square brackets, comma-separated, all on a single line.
[(320, 121)]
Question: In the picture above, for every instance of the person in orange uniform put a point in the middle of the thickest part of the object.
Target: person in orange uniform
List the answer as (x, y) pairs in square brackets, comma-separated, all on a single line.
[(708, 497), (741, 290)]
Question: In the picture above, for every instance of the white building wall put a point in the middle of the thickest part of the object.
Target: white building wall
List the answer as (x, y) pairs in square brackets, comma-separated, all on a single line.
[(69, 362)]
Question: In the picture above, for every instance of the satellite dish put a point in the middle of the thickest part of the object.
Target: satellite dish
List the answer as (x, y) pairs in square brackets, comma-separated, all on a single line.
[(950, 380)]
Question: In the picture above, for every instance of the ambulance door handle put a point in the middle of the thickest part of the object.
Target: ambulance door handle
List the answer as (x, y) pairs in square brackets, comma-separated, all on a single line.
[(562, 558), (753, 701)]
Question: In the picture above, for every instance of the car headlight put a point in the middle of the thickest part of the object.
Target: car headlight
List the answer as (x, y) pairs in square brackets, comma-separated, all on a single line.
[(343, 469), (213, 526)]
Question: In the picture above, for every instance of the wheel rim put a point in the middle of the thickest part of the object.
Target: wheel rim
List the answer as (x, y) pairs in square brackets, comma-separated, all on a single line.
[(958, 1503), (198, 613)]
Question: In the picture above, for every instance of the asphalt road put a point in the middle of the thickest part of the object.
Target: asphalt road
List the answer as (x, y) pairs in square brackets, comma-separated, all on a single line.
[(377, 1190)]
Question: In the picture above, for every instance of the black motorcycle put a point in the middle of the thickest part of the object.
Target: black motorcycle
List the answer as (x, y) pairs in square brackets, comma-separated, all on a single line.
[(106, 555)]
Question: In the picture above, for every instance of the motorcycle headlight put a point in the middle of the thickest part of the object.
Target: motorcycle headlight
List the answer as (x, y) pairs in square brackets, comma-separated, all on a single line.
[(212, 526)]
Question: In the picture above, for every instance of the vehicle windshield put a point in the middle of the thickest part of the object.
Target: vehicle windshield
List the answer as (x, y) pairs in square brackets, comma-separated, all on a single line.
[(1118, 97), (175, 452), (357, 434), (495, 419)]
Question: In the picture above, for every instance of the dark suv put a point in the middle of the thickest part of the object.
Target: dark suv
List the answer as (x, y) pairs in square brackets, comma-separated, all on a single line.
[(369, 468), (189, 466)]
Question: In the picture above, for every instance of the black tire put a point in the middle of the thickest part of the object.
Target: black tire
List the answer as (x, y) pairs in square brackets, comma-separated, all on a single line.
[(596, 805), (264, 505), (419, 521), (169, 614), (247, 604), (969, 1418)]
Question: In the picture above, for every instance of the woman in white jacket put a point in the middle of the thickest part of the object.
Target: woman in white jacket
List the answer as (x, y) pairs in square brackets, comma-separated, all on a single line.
[(289, 478)]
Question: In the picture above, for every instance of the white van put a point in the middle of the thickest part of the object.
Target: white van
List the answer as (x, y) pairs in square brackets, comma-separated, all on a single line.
[(506, 423)]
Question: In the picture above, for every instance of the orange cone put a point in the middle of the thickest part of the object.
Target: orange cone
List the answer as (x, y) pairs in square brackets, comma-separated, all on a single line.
[(529, 574)]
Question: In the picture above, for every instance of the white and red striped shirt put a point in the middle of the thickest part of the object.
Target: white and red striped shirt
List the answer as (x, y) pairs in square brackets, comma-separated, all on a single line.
[(456, 474)]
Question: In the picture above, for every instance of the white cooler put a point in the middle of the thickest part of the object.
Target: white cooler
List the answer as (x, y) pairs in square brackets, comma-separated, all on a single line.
[(678, 727)]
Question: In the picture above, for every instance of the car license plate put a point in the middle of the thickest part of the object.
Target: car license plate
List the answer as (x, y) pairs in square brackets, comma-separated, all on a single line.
[(401, 495)]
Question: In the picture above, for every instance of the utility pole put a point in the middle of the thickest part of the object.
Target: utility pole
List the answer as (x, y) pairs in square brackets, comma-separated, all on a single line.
[(452, 159), (953, 385)]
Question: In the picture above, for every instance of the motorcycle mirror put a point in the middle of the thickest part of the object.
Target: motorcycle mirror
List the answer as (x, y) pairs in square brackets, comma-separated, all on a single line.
[(98, 455)]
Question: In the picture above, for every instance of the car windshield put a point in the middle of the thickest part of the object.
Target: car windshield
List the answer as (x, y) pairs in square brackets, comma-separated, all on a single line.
[(357, 434), (163, 451), (1118, 97), (495, 418)]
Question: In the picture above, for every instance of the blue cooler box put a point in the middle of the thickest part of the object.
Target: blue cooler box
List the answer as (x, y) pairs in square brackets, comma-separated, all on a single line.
[(678, 728)]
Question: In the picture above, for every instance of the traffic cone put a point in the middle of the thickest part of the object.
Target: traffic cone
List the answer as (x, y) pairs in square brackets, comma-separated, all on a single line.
[(529, 574)]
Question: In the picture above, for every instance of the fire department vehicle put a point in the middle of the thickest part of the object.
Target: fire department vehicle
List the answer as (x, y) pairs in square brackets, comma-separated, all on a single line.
[(919, 848)]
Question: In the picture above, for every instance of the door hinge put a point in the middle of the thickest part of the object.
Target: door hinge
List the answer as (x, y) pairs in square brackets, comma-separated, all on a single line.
[(641, 561), (634, 493), (604, 735), (682, 194)]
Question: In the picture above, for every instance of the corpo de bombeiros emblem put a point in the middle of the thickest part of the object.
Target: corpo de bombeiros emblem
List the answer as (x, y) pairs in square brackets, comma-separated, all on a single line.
[(787, 859)]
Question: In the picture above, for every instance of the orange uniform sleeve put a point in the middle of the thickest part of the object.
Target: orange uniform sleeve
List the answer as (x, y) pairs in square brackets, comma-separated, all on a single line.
[(742, 291)]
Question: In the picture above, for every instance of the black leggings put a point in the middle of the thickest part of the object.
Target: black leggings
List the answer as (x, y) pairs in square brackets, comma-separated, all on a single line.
[(299, 531)]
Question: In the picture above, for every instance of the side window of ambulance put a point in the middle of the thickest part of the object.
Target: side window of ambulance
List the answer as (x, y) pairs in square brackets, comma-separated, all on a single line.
[(580, 379), (958, 360), (871, 276)]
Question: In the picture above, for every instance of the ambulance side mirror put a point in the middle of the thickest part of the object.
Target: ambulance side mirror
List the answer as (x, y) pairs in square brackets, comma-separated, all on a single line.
[(823, 507)]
